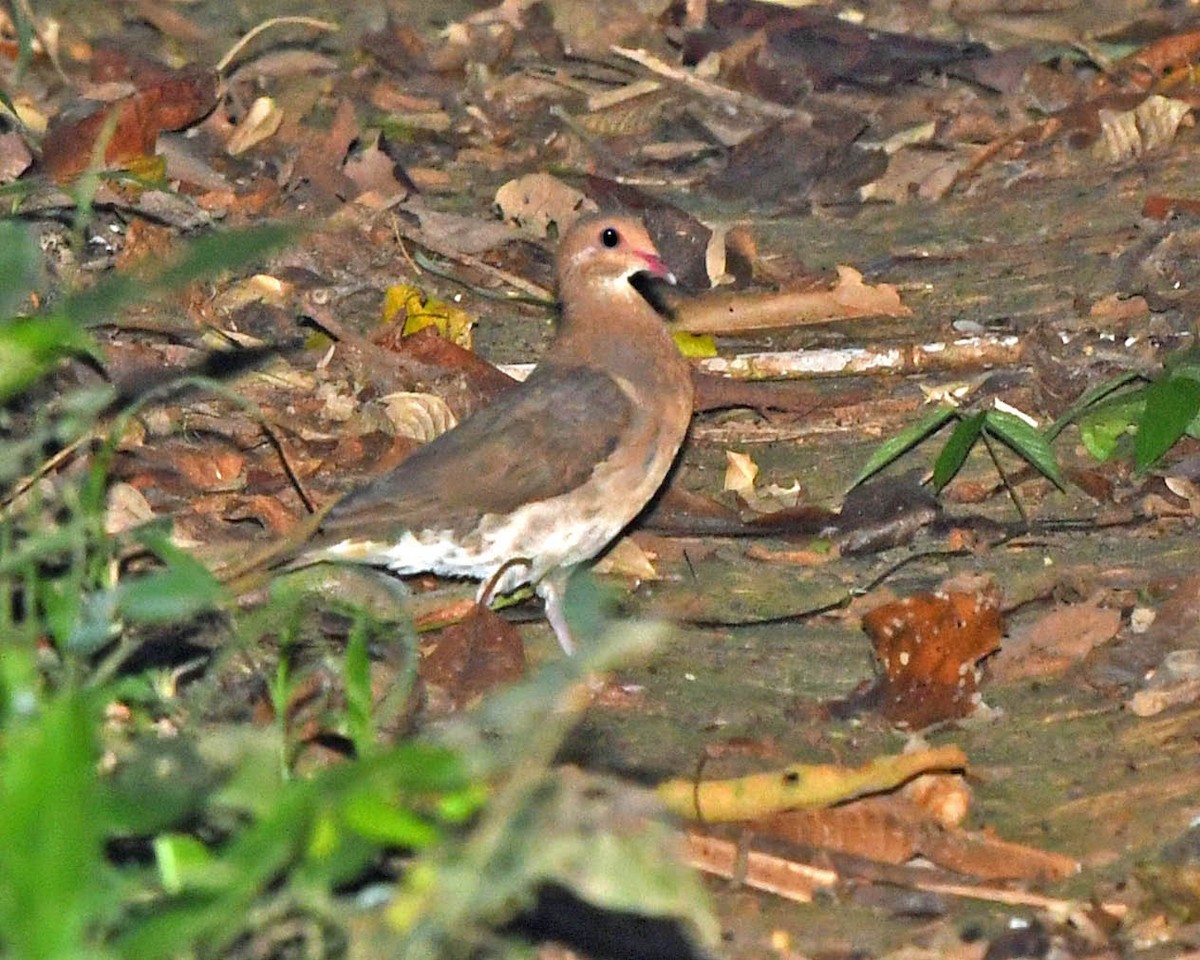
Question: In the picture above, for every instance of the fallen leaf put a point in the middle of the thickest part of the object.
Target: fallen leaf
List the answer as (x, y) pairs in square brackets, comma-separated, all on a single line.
[(408, 306), (740, 472), (626, 558), (928, 645), (126, 507), (799, 786), (467, 659), (1057, 641), (1127, 134), (419, 416), (260, 123), (374, 173), (171, 101), (537, 200)]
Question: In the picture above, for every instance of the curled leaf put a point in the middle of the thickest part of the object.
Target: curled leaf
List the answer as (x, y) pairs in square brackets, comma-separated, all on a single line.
[(419, 416)]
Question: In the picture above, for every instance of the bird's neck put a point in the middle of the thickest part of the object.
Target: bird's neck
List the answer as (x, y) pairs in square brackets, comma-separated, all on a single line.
[(616, 330)]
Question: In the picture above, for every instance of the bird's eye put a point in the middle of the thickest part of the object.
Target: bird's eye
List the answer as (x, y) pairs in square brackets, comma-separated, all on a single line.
[(609, 237)]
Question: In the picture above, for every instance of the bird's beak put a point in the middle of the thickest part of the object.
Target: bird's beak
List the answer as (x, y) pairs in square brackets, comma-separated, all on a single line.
[(655, 266)]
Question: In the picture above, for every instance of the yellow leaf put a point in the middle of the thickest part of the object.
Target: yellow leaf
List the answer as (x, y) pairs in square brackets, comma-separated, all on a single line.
[(450, 321), (698, 345), (800, 786)]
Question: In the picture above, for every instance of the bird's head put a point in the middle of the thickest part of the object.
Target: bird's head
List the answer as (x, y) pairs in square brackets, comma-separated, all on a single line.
[(604, 253)]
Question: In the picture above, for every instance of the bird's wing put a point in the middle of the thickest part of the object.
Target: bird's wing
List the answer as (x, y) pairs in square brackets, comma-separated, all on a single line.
[(539, 440)]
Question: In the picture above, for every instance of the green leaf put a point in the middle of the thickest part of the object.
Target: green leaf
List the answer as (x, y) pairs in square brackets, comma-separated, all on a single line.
[(1103, 427), (894, 448), (56, 886), (183, 589), (18, 267), (1027, 442), (1088, 400), (360, 703), (1171, 405), (379, 818), (31, 346), (184, 863), (954, 453)]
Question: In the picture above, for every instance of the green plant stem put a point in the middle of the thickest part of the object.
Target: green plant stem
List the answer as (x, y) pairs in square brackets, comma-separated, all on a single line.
[(1012, 493)]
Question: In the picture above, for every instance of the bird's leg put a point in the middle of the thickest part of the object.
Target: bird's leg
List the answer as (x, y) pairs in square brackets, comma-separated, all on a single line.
[(552, 589)]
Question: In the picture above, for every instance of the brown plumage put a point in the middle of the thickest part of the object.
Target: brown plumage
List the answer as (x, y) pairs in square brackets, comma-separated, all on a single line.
[(554, 469)]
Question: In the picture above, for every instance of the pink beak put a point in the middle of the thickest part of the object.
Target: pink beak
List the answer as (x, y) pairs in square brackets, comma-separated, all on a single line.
[(655, 266)]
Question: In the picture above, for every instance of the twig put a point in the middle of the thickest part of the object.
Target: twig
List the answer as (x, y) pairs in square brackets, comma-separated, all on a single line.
[(474, 263), (963, 353), (706, 88), (238, 47), (270, 429), (423, 262), (44, 468)]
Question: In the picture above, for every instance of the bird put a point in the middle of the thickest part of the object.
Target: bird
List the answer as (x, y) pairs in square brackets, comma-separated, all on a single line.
[(541, 480)]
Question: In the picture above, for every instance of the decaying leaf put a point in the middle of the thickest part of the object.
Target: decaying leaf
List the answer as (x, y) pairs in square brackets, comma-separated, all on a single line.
[(740, 472), (929, 645), (419, 416), (626, 558), (408, 306), (471, 657), (260, 288), (163, 99), (126, 508), (1131, 133), (537, 200), (1057, 641), (260, 123), (799, 786)]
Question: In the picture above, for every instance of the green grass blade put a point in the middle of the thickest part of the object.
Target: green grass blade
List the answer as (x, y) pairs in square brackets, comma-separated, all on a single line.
[(224, 250), (51, 856), (183, 589), (360, 702)]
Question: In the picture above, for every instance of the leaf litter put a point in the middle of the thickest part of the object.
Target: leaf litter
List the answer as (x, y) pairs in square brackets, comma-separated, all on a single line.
[(396, 164)]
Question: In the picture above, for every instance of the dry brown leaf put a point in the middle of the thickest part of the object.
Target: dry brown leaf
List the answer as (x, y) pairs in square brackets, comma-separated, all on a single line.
[(374, 173), (1116, 308), (626, 558), (467, 659), (740, 472), (1128, 134), (15, 157), (260, 123), (535, 201), (1057, 641), (126, 508), (929, 645), (419, 416)]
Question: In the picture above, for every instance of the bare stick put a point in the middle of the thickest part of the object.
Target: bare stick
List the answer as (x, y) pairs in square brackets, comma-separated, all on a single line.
[(706, 88), (238, 47)]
